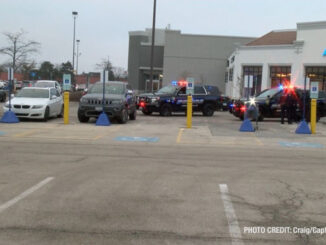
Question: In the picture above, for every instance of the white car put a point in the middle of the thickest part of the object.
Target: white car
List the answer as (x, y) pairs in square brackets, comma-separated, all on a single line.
[(48, 84), (37, 103)]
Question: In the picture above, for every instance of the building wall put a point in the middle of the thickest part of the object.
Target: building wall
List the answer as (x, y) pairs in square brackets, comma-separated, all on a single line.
[(134, 56), (307, 50), (199, 56)]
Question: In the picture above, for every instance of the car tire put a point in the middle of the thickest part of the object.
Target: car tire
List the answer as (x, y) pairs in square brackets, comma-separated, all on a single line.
[(46, 114), (60, 115), (133, 115), (208, 110), (81, 117), (166, 110), (123, 118)]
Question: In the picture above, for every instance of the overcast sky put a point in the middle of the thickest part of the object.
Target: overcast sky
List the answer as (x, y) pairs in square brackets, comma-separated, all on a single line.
[(103, 25)]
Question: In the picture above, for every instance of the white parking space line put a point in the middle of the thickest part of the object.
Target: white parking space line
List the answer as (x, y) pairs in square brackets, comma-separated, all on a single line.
[(25, 194), (234, 229)]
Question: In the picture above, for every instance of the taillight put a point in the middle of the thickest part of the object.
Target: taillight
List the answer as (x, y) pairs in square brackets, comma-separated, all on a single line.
[(243, 108), (142, 104)]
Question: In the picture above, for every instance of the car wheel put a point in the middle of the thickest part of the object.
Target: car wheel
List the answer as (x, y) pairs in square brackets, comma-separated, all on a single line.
[(81, 117), (166, 110), (133, 115), (123, 117), (46, 114), (208, 110), (60, 115)]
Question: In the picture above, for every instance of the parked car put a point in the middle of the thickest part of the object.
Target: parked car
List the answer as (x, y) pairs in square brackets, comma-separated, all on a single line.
[(3, 95), (18, 84), (119, 102), (28, 84), (172, 98), (37, 103), (224, 103), (48, 84)]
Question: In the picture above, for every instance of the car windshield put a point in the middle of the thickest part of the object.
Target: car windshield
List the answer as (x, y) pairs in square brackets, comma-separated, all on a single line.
[(110, 88), (45, 85), (33, 93), (269, 92), (167, 90)]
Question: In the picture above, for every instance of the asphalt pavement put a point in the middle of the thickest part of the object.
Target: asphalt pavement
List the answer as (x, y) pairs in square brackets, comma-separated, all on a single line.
[(153, 181)]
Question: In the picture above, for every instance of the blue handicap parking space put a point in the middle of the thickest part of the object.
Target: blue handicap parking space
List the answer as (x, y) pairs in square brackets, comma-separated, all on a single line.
[(139, 139), (301, 144)]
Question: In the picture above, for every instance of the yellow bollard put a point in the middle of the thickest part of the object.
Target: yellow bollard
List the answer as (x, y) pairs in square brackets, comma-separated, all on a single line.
[(189, 111), (66, 108), (313, 115)]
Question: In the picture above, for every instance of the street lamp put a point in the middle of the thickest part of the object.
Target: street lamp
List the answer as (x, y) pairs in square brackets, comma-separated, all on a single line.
[(74, 14), (152, 47), (78, 41)]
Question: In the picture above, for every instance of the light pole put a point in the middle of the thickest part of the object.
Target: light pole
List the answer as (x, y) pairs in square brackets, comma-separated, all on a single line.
[(152, 47), (78, 41), (74, 14)]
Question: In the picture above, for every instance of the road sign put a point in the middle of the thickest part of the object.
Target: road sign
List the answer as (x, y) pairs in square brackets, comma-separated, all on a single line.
[(314, 90), (104, 76), (33, 74), (66, 81), (10, 74), (190, 85)]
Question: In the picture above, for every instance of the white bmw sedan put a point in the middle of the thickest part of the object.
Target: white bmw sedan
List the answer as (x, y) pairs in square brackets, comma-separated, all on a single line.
[(37, 103)]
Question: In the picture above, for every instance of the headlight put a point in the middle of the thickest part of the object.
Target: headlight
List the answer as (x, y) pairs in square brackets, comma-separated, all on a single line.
[(116, 102), (37, 106), (83, 100)]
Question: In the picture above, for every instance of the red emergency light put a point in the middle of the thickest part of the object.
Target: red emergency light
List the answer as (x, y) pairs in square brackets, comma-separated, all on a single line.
[(182, 83)]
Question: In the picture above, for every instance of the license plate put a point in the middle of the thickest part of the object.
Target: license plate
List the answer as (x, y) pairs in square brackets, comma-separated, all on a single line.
[(224, 104), (99, 108)]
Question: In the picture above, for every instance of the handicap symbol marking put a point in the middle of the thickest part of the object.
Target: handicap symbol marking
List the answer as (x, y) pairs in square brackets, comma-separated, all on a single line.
[(301, 144), (139, 139), (2, 133)]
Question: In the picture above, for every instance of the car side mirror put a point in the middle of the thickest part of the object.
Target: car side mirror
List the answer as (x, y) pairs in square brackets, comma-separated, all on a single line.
[(53, 97), (130, 92)]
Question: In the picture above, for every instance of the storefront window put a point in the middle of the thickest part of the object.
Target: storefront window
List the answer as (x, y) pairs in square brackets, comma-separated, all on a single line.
[(255, 74), (280, 75), (317, 74)]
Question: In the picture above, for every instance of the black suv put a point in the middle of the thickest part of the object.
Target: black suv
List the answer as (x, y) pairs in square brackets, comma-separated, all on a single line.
[(119, 102), (174, 99)]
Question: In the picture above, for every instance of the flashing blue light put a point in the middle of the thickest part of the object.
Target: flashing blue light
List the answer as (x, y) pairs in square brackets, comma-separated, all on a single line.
[(324, 54), (174, 83), (281, 87)]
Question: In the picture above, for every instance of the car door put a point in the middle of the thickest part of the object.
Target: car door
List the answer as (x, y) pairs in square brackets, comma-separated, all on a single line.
[(53, 102), (198, 97), (181, 100)]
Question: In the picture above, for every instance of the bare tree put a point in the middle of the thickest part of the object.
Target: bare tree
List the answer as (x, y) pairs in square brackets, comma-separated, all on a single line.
[(120, 73), (18, 49), (106, 64)]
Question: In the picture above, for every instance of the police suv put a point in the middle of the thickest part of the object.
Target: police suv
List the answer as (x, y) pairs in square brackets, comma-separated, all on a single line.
[(172, 98)]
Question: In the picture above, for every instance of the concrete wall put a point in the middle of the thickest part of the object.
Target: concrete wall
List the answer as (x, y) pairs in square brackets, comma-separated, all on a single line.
[(134, 54), (199, 56)]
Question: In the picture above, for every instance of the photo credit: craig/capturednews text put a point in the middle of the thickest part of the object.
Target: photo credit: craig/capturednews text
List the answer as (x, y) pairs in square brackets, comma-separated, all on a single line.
[(283, 230)]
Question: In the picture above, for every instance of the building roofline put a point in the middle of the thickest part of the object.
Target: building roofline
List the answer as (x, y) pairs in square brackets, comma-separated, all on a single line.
[(311, 25)]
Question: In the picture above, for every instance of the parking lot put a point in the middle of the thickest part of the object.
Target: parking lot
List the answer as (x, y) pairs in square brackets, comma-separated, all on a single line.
[(153, 181)]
